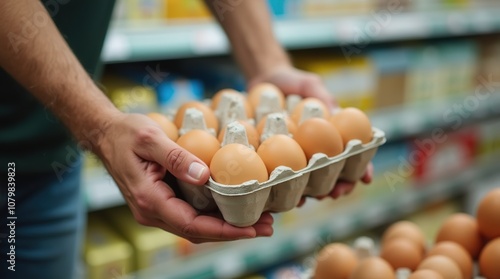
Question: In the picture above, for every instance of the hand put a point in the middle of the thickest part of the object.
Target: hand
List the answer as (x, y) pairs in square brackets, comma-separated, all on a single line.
[(138, 154), (293, 81)]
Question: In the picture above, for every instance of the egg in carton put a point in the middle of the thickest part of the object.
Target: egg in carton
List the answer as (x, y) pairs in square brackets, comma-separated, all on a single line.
[(242, 205)]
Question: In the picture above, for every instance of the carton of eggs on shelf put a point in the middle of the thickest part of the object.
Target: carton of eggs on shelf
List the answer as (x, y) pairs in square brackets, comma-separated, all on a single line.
[(270, 154)]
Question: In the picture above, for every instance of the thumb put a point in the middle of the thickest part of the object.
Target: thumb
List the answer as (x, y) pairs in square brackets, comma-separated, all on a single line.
[(177, 160)]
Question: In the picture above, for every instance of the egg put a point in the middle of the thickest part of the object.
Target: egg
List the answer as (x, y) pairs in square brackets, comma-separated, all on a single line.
[(406, 230), (489, 261), (463, 229), (488, 215), (208, 114), (236, 163), (402, 253), (200, 143), (373, 268), (352, 123), (291, 126), (442, 265), (218, 96), (256, 92), (425, 274), (317, 135), (252, 134), (455, 252), (282, 150), (320, 109), (335, 261), (166, 125)]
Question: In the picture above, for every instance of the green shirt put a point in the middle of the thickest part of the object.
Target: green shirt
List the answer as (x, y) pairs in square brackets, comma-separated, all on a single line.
[(30, 136)]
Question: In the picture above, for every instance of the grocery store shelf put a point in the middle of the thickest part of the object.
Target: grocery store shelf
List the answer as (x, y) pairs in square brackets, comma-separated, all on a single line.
[(235, 258), (127, 42), (448, 113)]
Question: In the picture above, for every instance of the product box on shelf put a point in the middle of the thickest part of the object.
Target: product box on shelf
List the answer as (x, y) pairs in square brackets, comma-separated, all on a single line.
[(214, 73), (129, 96), (391, 66), (186, 9), (392, 171), (489, 139), (324, 8), (352, 82), (284, 8), (171, 90), (138, 11), (426, 76), (489, 59), (460, 61), (435, 157), (152, 246), (106, 253)]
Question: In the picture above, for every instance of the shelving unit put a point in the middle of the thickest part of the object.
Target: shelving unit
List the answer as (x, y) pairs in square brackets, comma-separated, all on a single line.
[(127, 42), (234, 259), (131, 42)]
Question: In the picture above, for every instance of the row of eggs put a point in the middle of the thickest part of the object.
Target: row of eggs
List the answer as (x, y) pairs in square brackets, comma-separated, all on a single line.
[(302, 136)]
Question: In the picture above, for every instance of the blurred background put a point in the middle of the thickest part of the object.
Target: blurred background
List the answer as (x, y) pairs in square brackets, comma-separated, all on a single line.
[(426, 71)]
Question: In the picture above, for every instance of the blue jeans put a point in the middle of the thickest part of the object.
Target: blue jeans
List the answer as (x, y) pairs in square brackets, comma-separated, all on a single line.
[(49, 227)]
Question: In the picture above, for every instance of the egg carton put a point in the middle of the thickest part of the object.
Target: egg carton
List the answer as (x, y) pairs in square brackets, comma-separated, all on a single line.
[(242, 205)]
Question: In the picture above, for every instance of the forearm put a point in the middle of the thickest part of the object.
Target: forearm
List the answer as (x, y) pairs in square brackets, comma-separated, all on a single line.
[(248, 26), (42, 62)]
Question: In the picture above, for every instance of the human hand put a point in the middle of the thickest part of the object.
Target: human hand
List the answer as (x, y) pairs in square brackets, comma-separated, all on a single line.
[(293, 81), (138, 154)]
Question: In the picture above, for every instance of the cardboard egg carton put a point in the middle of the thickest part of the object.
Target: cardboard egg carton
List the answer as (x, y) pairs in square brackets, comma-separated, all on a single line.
[(242, 205)]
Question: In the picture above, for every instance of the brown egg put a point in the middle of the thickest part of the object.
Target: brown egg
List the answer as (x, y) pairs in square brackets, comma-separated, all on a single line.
[(299, 109), (488, 215), (291, 126), (407, 230), (200, 143), (455, 252), (462, 229), (402, 253), (373, 268), (442, 265), (252, 134), (335, 261), (236, 163), (282, 150), (256, 92), (317, 135), (166, 125), (352, 123), (218, 96), (489, 261), (425, 274), (208, 115)]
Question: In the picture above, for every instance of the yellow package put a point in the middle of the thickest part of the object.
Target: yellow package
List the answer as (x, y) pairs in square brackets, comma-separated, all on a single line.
[(152, 246), (106, 254), (352, 82), (128, 96), (187, 9)]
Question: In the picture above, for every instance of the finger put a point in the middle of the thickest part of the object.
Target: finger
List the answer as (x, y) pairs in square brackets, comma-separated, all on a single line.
[(263, 227), (368, 176), (316, 89), (181, 216), (155, 145), (341, 188), (302, 201)]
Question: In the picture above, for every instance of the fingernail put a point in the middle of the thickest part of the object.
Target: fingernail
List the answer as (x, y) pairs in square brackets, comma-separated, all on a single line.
[(196, 170)]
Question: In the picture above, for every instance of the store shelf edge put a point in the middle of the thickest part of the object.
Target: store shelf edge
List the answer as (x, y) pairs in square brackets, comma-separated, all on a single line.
[(127, 42)]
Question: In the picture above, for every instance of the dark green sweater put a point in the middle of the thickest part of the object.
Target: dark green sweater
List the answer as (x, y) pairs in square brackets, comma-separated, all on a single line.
[(30, 136)]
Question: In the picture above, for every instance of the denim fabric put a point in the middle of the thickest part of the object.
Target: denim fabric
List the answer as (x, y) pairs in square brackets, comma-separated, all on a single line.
[(49, 227)]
